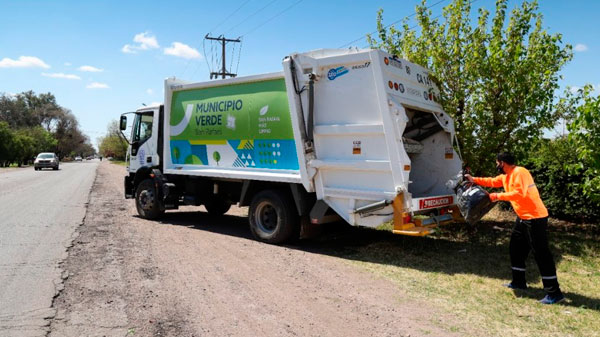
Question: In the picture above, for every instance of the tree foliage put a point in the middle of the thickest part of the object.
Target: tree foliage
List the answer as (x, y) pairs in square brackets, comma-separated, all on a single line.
[(584, 134), (31, 123), (113, 144), (496, 77), (561, 182)]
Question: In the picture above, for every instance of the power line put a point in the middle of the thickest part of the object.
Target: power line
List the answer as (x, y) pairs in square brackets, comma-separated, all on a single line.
[(223, 40), (239, 55), (393, 23), (251, 15), (273, 17), (229, 16)]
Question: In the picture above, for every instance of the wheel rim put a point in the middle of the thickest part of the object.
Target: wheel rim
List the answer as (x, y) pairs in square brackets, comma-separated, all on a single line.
[(266, 217), (146, 199)]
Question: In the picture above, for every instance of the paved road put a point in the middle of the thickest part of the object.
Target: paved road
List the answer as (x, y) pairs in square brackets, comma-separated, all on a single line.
[(39, 213)]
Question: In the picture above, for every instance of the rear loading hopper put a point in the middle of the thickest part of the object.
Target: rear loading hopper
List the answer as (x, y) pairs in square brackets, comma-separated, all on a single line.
[(383, 146)]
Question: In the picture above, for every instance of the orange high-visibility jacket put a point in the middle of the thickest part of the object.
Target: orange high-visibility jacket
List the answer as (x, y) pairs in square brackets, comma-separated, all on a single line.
[(520, 191)]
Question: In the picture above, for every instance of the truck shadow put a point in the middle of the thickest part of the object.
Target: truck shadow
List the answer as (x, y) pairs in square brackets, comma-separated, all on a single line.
[(455, 249), (232, 225)]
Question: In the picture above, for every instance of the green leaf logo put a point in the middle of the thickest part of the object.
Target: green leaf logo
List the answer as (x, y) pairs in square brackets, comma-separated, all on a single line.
[(217, 157)]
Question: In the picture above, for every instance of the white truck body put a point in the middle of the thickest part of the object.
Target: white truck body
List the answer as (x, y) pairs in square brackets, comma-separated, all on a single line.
[(379, 132)]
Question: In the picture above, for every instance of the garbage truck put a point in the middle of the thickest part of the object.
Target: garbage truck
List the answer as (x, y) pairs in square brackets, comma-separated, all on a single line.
[(357, 135)]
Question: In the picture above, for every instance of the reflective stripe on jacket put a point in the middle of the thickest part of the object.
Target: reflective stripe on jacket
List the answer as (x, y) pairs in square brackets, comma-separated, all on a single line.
[(520, 191)]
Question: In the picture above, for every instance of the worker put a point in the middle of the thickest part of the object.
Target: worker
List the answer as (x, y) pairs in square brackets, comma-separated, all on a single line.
[(530, 229)]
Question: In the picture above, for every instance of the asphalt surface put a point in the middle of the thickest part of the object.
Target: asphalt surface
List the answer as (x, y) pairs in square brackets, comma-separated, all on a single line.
[(39, 214)]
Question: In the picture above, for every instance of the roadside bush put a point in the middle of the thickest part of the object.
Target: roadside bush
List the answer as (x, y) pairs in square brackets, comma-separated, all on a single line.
[(553, 165)]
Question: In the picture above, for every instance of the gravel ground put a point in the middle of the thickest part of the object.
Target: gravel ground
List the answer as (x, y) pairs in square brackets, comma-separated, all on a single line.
[(191, 274)]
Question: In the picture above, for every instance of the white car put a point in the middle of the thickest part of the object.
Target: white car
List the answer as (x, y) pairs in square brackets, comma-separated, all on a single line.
[(78, 158), (46, 159)]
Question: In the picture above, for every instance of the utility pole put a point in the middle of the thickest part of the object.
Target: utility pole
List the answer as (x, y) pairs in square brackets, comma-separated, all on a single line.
[(223, 40)]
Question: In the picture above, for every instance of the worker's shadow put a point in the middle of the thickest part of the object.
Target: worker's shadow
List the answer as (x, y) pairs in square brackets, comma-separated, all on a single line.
[(457, 249)]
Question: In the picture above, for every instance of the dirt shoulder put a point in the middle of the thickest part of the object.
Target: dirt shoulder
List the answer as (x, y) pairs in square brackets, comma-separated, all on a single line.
[(194, 275)]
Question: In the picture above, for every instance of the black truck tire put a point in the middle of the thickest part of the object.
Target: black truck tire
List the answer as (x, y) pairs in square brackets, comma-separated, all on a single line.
[(146, 200), (217, 206), (273, 217)]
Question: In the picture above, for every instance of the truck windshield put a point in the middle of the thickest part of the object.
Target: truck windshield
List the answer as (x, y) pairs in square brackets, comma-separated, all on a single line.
[(142, 127)]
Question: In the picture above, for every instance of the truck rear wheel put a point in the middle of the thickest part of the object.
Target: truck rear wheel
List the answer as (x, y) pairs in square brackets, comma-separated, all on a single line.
[(146, 200), (273, 217), (217, 206)]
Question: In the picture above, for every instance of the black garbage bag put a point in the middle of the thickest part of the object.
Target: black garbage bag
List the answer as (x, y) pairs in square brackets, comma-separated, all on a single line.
[(473, 201)]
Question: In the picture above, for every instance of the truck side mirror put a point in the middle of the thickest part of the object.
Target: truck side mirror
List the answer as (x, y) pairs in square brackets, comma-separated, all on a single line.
[(123, 123)]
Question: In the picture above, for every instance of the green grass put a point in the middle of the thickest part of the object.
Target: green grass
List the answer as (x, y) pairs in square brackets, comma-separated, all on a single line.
[(461, 268)]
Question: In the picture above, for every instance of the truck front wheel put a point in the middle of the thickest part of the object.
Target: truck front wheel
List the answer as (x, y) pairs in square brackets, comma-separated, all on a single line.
[(273, 217), (146, 200)]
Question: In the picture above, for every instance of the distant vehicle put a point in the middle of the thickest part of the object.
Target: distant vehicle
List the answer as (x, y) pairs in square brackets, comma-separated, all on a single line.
[(89, 158), (78, 158), (46, 160)]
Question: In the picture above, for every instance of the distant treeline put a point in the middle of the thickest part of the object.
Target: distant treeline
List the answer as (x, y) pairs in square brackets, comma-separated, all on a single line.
[(31, 123)]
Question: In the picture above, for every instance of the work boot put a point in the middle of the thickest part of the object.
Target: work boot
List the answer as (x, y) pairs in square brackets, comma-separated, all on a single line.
[(553, 298), (515, 286)]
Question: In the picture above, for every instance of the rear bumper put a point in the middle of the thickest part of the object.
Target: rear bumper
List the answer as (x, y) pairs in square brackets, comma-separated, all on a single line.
[(405, 224)]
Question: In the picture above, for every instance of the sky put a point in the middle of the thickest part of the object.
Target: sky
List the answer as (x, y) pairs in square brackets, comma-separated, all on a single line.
[(103, 58)]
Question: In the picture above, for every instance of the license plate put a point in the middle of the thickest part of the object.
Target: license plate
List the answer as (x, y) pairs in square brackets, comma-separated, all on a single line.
[(435, 202)]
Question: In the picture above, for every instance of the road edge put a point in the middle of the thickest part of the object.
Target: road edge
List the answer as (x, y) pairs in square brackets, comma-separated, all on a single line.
[(64, 273)]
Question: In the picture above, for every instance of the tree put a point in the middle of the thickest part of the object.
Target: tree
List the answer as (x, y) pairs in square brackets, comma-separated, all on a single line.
[(496, 80), (217, 157), (39, 124), (24, 147), (561, 181), (584, 132), (113, 144), (68, 134), (6, 143), (28, 109)]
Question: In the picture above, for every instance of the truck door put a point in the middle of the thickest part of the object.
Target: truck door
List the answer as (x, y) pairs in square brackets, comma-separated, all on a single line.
[(144, 141)]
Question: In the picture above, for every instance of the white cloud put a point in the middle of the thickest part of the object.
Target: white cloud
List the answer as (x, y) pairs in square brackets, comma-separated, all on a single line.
[(61, 75), (90, 69), (128, 49), (23, 62), (580, 47), (182, 50), (97, 85), (144, 41), (68, 64), (149, 91)]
